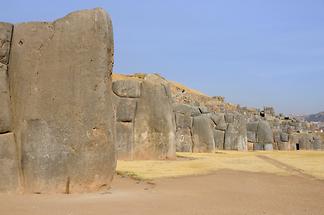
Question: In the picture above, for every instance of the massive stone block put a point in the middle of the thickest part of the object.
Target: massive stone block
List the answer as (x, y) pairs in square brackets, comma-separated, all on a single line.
[(9, 174), (284, 137), (202, 133), (125, 110), (264, 133), (5, 116), (183, 121), (127, 88), (251, 136), (261, 134), (187, 110), (60, 86), (154, 127), (219, 121), (219, 137), (5, 39), (183, 140), (236, 134), (124, 140)]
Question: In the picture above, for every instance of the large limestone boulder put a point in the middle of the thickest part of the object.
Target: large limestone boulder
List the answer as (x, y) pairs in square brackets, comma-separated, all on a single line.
[(60, 86), (8, 163), (154, 126), (202, 133)]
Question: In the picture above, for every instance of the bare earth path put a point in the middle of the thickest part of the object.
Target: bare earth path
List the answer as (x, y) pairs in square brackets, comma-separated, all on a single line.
[(224, 192)]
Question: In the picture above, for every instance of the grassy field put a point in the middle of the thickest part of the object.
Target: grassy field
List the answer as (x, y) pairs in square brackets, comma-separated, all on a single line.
[(311, 163)]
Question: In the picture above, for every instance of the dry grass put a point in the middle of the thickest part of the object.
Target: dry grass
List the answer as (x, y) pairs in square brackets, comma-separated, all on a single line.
[(137, 76), (204, 163), (187, 89), (310, 162)]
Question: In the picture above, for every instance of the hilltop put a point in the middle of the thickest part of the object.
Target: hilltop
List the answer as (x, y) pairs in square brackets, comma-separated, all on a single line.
[(318, 117)]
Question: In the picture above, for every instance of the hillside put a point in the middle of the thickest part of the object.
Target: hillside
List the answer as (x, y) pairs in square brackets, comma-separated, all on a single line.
[(318, 117)]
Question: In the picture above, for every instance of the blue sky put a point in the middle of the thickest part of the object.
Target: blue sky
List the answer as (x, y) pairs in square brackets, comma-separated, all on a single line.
[(253, 52)]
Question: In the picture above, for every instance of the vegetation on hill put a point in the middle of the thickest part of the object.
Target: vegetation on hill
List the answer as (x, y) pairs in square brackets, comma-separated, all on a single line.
[(318, 117)]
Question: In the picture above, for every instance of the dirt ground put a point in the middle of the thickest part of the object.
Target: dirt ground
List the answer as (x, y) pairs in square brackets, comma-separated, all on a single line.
[(223, 192)]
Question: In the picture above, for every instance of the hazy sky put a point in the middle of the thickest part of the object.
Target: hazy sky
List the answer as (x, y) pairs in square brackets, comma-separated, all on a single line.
[(254, 53)]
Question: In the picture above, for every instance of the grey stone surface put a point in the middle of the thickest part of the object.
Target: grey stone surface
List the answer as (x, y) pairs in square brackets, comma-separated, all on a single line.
[(219, 121), (60, 87), (229, 117), (125, 109), (264, 133), (5, 39), (183, 121), (236, 134), (9, 174), (203, 109), (5, 112), (154, 128), (276, 136), (124, 140), (219, 137), (284, 137), (268, 147), (183, 140), (186, 109), (258, 146), (202, 133), (251, 136), (252, 126), (127, 88)]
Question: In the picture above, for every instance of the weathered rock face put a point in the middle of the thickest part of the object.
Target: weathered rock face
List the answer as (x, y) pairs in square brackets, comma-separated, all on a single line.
[(219, 137), (260, 134), (5, 41), (146, 105), (236, 133), (183, 128), (8, 163), (154, 127), (124, 140), (127, 88), (60, 86), (202, 133), (5, 114)]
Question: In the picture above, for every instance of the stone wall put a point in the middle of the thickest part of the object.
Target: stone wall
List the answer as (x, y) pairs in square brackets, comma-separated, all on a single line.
[(145, 121), (9, 177), (199, 130), (57, 126)]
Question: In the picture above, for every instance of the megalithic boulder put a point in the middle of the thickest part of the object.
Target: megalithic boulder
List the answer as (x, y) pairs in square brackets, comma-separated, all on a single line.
[(60, 86)]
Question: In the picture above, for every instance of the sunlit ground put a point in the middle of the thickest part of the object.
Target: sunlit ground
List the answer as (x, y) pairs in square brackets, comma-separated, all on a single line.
[(308, 162)]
